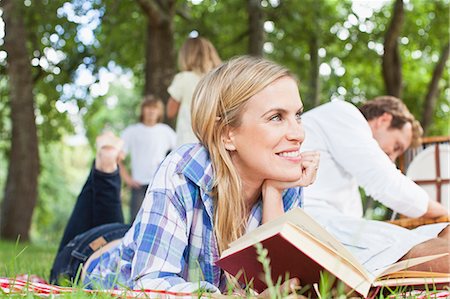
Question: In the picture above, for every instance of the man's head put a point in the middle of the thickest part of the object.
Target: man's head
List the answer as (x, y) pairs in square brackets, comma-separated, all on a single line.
[(393, 126), (152, 109)]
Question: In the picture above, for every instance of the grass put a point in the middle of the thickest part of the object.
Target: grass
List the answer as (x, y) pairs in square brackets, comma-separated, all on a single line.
[(26, 258)]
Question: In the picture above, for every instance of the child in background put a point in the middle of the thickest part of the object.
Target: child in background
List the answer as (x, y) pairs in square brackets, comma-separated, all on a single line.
[(148, 142), (196, 57)]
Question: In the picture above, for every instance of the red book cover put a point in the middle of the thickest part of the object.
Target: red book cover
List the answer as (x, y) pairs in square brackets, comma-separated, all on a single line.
[(284, 257)]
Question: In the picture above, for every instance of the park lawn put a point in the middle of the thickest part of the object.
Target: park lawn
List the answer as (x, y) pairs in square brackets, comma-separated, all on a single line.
[(26, 258)]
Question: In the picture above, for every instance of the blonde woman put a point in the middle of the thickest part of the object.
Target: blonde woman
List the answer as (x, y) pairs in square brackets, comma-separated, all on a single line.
[(246, 170), (196, 57)]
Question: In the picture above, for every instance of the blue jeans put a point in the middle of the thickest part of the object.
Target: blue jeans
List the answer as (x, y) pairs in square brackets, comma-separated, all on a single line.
[(68, 262), (97, 204)]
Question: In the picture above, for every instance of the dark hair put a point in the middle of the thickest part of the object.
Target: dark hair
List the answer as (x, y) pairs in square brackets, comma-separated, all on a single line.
[(152, 101), (400, 115)]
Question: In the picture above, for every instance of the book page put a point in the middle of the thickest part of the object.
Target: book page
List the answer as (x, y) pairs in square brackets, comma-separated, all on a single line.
[(415, 274), (408, 281), (303, 221), (406, 264)]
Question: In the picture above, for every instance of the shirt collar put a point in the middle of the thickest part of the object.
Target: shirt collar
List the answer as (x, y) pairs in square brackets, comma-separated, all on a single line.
[(196, 165)]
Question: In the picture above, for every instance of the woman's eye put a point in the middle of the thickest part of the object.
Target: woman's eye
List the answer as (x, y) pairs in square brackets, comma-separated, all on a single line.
[(298, 116), (276, 117)]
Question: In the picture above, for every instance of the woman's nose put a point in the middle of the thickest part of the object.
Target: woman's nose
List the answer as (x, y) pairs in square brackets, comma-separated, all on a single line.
[(295, 131)]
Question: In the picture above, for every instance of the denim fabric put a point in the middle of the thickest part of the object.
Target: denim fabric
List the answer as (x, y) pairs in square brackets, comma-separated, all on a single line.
[(98, 203), (68, 261)]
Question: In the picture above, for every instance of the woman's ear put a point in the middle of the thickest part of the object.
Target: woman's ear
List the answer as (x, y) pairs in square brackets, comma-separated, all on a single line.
[(228, 139)]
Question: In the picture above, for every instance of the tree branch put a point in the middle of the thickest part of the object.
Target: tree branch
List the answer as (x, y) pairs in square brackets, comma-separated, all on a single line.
[(151, 10), (433, 88), (183, 12)]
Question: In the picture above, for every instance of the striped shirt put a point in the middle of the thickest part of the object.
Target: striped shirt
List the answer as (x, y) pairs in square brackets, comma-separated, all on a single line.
[(171, 244)]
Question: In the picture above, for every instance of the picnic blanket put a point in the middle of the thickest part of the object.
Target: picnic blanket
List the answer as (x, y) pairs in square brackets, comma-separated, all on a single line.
[(39, 287)]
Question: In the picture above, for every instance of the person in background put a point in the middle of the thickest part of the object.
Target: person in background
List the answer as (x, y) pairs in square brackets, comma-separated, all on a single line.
[(97, 211), (147, 143), (358, 148), (196, 57), (99, 187)]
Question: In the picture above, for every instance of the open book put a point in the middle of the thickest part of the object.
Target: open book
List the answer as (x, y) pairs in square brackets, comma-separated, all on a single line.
[(298, 246)]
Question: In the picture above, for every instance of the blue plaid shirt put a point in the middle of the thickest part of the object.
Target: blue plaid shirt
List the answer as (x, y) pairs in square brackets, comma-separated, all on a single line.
[(171, 245)]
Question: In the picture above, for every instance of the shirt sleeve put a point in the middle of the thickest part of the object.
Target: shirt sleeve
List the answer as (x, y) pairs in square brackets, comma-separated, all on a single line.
[(161, 240), (175, 89), (354, 149), (292, 198)]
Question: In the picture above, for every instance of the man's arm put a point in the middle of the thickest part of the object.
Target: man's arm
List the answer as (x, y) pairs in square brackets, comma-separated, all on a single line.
[(352, 146), (435, 209)]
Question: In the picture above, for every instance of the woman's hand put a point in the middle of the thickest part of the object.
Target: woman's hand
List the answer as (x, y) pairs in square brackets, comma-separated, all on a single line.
[(309, 165), (272, 190), (308, 168)]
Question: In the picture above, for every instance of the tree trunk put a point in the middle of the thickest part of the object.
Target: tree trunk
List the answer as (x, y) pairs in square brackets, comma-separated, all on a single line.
[(433, 89), (160, 64), (21, 183), (256, 28), (392, 67)]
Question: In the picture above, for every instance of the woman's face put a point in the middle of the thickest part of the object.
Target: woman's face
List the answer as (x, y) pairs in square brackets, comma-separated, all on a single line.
[(267, 142)]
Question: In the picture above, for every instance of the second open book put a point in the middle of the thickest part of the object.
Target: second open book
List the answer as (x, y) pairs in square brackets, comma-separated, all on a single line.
[(298, 246)]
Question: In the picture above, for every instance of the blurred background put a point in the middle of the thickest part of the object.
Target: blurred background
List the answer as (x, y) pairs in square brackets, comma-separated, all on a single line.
[(72, 69)]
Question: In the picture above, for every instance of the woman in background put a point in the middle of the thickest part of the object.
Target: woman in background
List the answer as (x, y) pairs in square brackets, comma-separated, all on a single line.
[(196, 57)]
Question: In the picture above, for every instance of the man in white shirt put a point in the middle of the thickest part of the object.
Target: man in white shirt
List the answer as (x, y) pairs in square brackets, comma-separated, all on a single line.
[(148, 142), (357, 149)]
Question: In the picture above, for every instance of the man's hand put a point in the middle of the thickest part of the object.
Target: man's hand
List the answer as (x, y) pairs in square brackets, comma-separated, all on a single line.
[(435, 210), (288, 287)]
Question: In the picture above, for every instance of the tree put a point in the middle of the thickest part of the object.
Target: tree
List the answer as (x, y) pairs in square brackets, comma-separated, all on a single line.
[(21, 184), (392, 65), (256, 27), (433, 89), (160, 54), (304, 39)]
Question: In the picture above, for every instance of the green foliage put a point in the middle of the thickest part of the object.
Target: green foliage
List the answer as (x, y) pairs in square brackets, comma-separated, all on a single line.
[(114, 111), (212, 19), (60, 181), (265, 262)]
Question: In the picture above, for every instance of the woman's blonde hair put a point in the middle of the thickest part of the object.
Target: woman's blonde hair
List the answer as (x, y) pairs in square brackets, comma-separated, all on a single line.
[(218, 103), (198, 55)]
